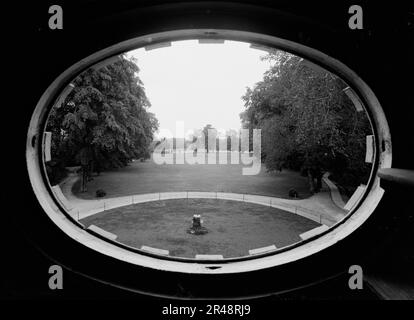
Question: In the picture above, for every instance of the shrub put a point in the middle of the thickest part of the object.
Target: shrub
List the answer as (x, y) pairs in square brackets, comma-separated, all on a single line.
[(56, 172), (293, 193), (100, 193)]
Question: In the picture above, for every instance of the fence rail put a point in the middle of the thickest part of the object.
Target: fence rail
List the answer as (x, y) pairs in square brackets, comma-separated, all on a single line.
[(87, 208)]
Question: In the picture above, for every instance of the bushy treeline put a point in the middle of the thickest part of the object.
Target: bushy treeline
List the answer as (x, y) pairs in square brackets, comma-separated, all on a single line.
[(104, 121), (308, 123)]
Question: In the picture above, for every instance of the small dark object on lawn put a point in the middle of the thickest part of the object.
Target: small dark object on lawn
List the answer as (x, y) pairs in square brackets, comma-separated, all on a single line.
[(197, 228), (293, 193), (100, 193)]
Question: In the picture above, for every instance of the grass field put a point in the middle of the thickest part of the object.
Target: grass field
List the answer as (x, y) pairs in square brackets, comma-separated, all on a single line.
[(148, 177), (234, 227)]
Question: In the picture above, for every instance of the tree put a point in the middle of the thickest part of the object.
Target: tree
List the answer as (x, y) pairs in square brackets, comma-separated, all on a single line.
[(307, 121), (103, 123), (206, 136), (232, 134)]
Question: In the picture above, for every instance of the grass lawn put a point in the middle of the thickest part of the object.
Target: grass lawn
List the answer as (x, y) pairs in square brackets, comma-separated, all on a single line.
[(234, 227), (148, 177)]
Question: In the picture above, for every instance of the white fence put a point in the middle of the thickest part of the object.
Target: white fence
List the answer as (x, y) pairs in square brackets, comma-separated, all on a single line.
[(86, 208)]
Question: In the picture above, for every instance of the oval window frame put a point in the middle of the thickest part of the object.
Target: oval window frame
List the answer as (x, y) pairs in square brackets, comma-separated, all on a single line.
[(353, 220)]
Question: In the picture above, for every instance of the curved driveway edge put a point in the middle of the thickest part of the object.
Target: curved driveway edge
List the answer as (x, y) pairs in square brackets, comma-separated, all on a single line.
[(335, 195), (318, 208)]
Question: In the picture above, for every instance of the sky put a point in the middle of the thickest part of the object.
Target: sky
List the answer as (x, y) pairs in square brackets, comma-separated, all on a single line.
[(198, 83)]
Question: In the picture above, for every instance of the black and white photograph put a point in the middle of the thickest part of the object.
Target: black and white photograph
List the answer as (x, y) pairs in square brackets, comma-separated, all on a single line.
[(211, 159)]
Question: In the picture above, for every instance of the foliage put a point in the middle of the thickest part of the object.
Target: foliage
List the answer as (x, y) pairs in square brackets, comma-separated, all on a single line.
[(307, 121), (104, 121), (100, 193)]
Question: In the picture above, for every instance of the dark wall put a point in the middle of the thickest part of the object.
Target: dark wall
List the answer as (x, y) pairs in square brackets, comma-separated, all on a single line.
[(378, 53)]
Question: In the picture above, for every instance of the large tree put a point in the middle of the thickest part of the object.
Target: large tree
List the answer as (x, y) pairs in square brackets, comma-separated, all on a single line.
[(104, 122), (307, 121)]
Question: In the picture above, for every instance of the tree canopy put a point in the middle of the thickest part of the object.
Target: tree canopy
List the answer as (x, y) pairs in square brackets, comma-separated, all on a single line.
[(308, 123), (104, 121)]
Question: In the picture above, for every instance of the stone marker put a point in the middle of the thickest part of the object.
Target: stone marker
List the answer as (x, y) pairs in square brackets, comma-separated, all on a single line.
[(197, 228)]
